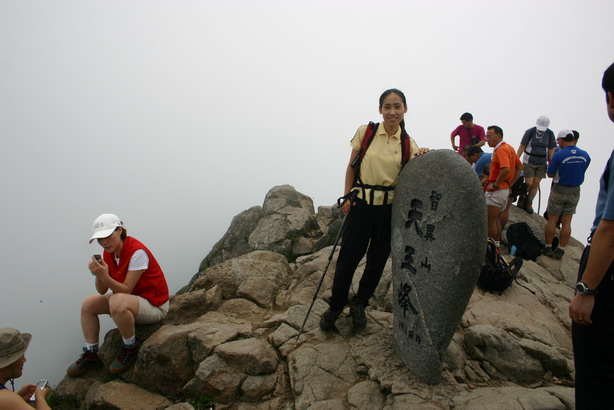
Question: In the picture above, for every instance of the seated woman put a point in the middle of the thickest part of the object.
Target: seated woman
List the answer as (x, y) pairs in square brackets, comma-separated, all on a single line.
[(13, 345), (131, 288)]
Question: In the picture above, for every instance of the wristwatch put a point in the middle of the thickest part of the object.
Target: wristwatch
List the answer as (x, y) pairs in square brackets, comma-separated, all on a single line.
[(582, 289)]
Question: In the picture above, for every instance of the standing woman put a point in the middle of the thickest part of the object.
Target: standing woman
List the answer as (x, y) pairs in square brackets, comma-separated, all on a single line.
[(13, 346), (368, 227), (131, 288)]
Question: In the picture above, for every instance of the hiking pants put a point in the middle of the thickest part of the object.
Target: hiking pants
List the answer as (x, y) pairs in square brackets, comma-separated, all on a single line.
[(367, 231), (593, 347)]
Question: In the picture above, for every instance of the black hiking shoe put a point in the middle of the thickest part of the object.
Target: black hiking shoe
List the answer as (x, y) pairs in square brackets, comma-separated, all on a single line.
[(558, 253), (125, 357), (327, 321), (357, 311), (87, 360), (548, 251)]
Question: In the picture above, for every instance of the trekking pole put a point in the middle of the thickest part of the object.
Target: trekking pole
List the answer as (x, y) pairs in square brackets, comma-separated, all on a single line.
[(352, 197), (539, 200)]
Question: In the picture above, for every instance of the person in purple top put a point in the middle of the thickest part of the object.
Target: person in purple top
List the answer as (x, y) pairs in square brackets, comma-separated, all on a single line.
[(592, 307), (468, 134)]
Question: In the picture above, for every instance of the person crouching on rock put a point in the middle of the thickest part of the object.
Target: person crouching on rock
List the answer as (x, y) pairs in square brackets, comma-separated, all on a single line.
[(13, 346), (131, 288), (368, 228)]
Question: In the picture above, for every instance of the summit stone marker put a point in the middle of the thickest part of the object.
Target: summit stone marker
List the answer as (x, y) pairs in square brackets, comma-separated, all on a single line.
[(439, 231)]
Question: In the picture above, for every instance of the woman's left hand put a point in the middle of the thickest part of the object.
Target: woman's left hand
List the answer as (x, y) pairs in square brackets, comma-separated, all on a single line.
[(422, 151), (97, 268)]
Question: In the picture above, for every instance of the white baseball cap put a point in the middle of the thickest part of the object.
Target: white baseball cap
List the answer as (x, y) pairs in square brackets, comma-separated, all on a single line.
[(542, 123), (104, 226), (566, 135)]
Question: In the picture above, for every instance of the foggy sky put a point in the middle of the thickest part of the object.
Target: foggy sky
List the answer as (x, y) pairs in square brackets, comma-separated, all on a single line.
[(179, 115)]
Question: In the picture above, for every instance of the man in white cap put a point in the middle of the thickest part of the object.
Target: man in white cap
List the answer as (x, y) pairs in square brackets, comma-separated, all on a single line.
[(567, 167), (131, 288), (13, 346), (538, 145)]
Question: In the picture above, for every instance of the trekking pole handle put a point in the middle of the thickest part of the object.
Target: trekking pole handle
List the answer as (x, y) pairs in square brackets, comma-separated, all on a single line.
[(350, 195)]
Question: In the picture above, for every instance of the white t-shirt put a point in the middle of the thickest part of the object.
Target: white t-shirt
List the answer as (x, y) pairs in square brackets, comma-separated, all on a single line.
[(138, 261)]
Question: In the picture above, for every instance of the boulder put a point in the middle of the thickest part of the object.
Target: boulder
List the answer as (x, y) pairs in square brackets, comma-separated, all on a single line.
[(438, 247), (125, 396)]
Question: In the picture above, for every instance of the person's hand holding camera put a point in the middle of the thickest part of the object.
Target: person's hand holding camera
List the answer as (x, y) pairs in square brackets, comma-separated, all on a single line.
[(98, 266)]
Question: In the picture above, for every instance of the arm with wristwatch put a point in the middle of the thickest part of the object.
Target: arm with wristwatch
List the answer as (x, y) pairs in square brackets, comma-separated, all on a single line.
[(493, 186), (599, 261)]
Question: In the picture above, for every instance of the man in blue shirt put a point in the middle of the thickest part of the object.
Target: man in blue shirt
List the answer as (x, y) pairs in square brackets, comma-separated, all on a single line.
[(592, 307), (567, 167)]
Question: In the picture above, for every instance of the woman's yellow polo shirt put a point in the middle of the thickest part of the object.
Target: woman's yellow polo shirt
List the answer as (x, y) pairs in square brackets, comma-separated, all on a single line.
[(381, 164)]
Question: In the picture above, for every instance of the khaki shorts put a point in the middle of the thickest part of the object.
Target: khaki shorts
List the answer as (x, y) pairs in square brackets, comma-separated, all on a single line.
[(497, 198), (532, 171), (563, 199), (148, 313)]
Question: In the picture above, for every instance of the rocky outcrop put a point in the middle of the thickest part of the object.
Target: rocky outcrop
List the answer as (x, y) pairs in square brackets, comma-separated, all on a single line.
[(231, 336), (286, 224)]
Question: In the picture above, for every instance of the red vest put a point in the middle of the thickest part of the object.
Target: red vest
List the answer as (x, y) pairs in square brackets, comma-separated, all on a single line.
[(151, 285)]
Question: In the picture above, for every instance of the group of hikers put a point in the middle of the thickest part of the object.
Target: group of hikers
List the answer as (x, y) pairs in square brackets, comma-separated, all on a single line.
[(131, 286), (506, 178)]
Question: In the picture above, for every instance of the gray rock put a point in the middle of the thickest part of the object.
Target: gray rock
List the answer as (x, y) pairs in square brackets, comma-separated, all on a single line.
[(257, 388), (508, 398), (320, 373), (235, 242), (166, 350), (188, 306), (438, 245), (216, 329), (180, 406), (257, 276), (215, 379), (503, 351), (251, 356), (365, 396), (285, 212), (125, 396)]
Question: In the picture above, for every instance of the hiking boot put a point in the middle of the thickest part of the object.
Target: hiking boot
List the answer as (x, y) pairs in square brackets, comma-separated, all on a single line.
[(357, 311), (555, 242), (87, 360), (558, 253), (548, 251), (327, 321), (125, 357), (528, 207)]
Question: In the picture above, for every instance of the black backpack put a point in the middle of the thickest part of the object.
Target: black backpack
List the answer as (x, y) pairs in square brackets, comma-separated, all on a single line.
[(527, 245), (497, 274)]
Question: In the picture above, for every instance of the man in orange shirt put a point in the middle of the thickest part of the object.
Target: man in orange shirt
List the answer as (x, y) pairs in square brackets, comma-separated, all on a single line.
[(505, 169)]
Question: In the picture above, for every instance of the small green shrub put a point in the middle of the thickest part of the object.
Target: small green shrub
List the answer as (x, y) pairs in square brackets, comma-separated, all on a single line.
[(203, 403)]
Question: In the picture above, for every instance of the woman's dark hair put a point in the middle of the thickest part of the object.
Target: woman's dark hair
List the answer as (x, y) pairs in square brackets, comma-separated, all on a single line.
[(124, 233), (390, 91), (607, 83)]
